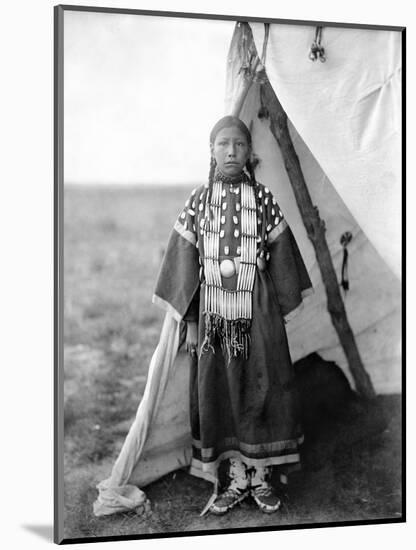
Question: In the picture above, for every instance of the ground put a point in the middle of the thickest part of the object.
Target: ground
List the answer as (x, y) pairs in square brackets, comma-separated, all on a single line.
[(113, 247)]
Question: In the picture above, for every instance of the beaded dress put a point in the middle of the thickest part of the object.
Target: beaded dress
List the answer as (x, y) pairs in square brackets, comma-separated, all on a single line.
[(233, 266)]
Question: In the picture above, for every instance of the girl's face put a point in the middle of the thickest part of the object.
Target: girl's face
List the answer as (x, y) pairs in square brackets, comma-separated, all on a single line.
[(231, 150)]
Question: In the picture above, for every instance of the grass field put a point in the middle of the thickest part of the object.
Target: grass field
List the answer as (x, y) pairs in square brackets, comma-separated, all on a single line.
[(114, 241)]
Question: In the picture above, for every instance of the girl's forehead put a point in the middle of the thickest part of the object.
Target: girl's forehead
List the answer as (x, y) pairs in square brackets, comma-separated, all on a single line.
[(230, 132)]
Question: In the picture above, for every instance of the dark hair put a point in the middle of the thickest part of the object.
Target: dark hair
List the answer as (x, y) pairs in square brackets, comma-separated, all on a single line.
[(227, 122)]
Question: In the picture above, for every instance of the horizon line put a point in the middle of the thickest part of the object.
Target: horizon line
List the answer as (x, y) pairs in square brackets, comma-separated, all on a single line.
[(131, 183)]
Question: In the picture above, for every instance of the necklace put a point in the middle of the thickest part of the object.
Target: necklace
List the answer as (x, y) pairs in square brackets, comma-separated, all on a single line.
[(230, 180)]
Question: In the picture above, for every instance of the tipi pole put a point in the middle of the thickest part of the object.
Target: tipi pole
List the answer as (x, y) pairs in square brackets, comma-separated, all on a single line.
[(315, 228)]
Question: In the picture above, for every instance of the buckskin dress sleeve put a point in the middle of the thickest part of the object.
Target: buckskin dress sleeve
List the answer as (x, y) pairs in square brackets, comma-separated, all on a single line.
[(286, 266), (178, 280)]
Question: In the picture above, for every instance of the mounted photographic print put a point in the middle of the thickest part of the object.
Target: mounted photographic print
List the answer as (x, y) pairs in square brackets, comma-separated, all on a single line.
[(228, 260)]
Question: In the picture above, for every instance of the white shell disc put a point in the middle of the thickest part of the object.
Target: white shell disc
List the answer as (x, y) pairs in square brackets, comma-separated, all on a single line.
[(227, 268)]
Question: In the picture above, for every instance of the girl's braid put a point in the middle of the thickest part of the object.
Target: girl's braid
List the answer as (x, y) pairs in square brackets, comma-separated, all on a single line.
[(212, 166)]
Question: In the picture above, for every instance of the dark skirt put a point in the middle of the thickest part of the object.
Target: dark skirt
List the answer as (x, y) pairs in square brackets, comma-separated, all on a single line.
[(247, 408)]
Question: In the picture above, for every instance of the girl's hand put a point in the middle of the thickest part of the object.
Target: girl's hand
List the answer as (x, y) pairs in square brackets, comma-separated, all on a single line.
[(191, 341)]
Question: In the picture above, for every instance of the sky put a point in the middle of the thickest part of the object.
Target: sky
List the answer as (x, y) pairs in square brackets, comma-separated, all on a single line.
[(141, 94)]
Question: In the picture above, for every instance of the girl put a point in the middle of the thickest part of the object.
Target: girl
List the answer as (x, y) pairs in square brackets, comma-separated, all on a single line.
[(233, 272)]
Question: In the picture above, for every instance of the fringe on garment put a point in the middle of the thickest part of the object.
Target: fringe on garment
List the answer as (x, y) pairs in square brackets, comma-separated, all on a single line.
[(232, 335)]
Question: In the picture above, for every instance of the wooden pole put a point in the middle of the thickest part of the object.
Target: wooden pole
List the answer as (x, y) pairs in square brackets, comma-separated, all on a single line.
[(315, 228)]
